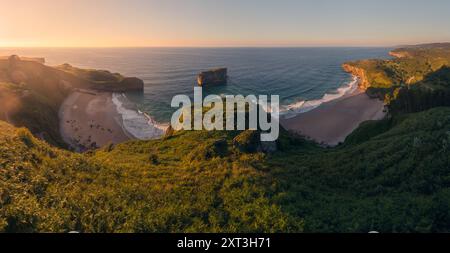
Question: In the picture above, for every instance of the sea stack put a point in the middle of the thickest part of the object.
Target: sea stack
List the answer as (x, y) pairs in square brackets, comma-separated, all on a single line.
[(213, 77)]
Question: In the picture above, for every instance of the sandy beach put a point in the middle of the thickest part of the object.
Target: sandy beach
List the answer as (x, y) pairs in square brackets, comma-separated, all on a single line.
[(332, 122), (89, 119)]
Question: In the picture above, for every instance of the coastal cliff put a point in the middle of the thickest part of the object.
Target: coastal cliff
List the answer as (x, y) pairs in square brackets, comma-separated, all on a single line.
[(103, 80), (399, 54), (415, 80), (126, 84), (358, 72)]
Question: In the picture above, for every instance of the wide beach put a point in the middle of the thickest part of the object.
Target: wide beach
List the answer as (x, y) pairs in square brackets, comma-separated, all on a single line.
[(89, 119), (333, 121)]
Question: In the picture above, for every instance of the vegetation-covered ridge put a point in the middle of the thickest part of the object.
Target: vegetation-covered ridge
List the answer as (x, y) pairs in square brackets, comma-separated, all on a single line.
[(412, 81), (390, 176), (190, 182)]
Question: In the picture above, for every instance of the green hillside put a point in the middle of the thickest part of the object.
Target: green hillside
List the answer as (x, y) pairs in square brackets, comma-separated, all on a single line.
[(391, 176), (416, 80), (411, 65), (185, 183)]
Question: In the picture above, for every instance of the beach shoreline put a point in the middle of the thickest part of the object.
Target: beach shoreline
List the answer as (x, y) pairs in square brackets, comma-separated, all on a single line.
[(330, 123), (92, 119), (89, 120)]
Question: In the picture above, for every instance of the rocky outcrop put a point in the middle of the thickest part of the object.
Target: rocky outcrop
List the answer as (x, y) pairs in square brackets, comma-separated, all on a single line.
[(104, 80), (15, 58), (358, 72), (399, 54), (132, 84), (213, 77), (249, 141), (126, 84)]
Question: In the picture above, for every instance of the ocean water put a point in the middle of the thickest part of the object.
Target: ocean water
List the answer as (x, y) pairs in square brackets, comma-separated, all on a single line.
[(302, 77)]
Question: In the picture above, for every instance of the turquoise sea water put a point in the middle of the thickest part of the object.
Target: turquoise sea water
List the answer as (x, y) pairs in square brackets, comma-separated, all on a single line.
[(297, 75)]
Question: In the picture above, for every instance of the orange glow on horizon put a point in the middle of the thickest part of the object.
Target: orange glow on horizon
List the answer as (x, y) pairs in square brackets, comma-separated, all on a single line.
[(158, 23)]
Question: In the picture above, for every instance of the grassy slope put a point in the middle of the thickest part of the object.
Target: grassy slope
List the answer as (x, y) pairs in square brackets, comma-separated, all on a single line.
[(390, 176), (34, 110), (151, 186)]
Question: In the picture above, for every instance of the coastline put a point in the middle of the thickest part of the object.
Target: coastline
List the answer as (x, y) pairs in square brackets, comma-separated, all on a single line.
[(138, 124), (330, 123), (297, 108), (91, 119)]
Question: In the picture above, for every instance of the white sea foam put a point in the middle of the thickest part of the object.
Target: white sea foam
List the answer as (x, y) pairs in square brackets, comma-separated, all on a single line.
[(139, 124), (303, 106)]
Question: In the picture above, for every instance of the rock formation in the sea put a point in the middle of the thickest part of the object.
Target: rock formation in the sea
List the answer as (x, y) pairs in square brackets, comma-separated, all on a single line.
[(213, 77)]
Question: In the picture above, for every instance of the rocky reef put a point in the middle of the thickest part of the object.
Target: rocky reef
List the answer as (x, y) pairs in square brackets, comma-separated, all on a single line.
[(213, 77)]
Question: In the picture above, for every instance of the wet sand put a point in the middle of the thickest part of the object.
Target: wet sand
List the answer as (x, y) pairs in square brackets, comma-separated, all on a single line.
[(90, 120), (332, 122)]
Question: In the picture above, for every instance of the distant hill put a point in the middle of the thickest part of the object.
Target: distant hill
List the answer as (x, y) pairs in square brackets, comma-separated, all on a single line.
[(444, 45)]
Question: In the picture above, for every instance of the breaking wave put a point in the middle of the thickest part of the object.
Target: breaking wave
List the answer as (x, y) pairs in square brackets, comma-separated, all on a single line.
[(291, 110), (138, 124)]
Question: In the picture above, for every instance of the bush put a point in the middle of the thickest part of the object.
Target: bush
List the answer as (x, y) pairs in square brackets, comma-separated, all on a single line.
[(25, 136), (247, 141)]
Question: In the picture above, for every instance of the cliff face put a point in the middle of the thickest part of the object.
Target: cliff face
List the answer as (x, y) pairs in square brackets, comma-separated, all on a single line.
[(104, 80), (399, 54), (360, 73), (126, 84), (212, 77)]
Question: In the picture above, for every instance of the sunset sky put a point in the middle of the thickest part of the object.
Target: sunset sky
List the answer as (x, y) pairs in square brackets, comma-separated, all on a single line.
[(139, 23)]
